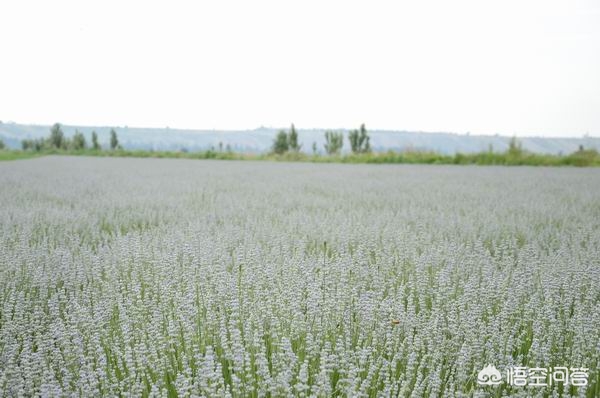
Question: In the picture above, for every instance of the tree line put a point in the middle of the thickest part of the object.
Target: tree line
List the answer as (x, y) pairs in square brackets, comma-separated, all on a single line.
[(57, 140), (286, 146), (334, 141)]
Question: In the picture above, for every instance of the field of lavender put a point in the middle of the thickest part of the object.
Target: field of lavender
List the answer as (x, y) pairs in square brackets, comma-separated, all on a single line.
[(182, 278)]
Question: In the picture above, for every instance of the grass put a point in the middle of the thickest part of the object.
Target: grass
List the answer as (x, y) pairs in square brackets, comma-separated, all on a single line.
[(581, 158), (15, 155)]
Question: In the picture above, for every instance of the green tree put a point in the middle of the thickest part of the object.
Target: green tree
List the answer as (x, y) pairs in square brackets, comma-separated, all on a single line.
[(514, 147), (57, 137), (293, 140), (39, 144), (359, 140), (2, 144), (34, 145), (78, 141), (95, 144), (114, 141), (333, 142), (280, 144)]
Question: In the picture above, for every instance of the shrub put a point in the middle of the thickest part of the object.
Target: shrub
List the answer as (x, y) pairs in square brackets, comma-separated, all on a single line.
[(78, 142), (280, 144)]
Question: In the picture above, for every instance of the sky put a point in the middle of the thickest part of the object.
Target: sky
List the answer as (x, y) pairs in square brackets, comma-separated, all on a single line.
[(484, 67)]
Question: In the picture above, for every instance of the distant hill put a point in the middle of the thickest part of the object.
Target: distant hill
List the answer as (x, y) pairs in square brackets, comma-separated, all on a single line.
[(259, 140)]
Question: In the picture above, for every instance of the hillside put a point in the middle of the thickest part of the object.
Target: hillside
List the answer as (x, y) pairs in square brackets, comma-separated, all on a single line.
[(259, 140)]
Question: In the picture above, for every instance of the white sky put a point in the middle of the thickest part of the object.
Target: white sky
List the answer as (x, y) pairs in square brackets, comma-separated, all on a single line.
[(513, 67)]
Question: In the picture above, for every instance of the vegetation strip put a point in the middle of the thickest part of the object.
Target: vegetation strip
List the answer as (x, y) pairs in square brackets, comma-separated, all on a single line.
[(286, 148)]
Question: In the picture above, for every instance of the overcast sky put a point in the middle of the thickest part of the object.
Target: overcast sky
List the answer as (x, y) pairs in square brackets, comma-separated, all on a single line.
[(512, 67)]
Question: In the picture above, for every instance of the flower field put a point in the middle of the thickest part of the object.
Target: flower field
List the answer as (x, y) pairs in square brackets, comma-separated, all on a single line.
[(186, 278)]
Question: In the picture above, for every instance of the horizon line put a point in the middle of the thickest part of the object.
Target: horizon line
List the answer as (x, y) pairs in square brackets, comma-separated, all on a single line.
[(344, 129)]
